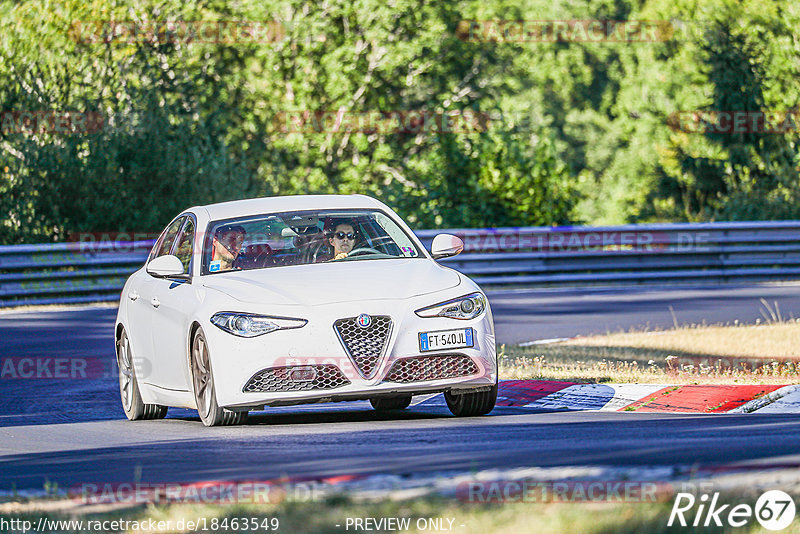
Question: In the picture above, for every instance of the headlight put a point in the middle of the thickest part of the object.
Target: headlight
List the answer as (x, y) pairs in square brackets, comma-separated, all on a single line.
[(251, 325), (466, 307)]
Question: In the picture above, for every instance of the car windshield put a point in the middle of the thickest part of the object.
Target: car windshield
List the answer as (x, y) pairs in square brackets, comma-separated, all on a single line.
[(304, 237)]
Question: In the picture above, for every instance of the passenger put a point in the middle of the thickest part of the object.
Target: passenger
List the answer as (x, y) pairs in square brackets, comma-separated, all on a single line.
[(226, 246)]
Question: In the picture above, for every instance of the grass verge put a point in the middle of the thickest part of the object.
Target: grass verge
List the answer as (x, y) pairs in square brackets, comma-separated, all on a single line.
[(729, 354)]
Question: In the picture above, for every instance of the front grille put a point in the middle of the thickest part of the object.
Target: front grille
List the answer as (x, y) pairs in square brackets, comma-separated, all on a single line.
[(365, 346), (422, 368), (277, 379)]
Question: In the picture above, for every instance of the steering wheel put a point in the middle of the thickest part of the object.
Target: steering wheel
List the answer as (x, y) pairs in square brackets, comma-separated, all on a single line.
[(363, 250)]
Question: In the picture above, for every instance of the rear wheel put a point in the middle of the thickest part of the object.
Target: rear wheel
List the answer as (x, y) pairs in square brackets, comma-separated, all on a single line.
[(391, 403), (205, 395), (471, 404), (132, 404)]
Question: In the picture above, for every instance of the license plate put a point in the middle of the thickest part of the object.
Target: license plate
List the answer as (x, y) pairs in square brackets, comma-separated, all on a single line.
[(446, 339)]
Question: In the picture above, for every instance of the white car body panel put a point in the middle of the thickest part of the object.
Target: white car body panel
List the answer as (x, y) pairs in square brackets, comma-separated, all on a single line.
[(342, 282), (319, 293)]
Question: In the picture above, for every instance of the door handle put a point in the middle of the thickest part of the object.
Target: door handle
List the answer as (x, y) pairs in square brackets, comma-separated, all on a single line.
[(155, 302), (133, 295)]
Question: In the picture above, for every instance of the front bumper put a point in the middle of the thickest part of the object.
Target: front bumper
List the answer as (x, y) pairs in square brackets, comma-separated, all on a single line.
[(236, 360)]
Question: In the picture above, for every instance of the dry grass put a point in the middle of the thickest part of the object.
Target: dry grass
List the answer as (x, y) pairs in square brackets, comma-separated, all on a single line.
[(779, 341), (732, 354)]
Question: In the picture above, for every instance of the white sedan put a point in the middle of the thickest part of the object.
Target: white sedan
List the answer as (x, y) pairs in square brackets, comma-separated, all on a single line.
[(291, 300)]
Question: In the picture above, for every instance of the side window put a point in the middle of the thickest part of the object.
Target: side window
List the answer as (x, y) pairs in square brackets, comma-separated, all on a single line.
[(184, 248), (165, 245)]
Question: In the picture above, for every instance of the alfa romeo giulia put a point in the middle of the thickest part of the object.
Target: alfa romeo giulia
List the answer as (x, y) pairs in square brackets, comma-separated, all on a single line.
[(301, 299)]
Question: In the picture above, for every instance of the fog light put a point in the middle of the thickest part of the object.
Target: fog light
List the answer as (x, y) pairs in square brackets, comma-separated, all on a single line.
[(303, 374)]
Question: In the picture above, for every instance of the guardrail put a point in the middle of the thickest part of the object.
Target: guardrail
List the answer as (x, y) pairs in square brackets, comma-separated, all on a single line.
[(525, 257)]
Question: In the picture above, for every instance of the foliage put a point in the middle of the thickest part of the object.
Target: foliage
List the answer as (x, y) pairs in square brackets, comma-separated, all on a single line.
[(565, 131)]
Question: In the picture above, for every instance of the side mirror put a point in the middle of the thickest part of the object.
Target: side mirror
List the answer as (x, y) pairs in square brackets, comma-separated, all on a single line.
[(446, 245), (163, 266)]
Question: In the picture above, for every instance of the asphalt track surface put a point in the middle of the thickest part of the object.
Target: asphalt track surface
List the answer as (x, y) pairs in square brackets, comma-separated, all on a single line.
[(73, 431)]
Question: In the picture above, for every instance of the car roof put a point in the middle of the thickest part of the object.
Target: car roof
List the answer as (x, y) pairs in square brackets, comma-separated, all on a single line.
[(256, 206)]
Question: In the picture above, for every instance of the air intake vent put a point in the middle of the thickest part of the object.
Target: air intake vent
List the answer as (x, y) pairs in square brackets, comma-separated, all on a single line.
[(298, 378), (421, 368)]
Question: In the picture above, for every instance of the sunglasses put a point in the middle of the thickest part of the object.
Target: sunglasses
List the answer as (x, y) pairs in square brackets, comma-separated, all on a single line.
[(342, 235)]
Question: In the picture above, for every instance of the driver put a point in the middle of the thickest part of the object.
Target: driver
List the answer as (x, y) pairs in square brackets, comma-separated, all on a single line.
[(342, 239), (226, 246)]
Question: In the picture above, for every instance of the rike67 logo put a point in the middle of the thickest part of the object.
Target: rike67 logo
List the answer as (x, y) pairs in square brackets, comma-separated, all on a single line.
[(774, 510)]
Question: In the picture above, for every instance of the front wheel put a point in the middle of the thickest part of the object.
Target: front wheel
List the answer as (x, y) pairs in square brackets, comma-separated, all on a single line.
[(471, 404), (205, 395), (132, 403), (391, 403)]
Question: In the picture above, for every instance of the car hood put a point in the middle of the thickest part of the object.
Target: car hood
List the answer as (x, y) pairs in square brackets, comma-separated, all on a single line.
[(335, 282)]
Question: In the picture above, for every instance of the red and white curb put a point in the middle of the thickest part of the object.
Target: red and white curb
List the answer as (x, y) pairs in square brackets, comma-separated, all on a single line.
[(550, 395)]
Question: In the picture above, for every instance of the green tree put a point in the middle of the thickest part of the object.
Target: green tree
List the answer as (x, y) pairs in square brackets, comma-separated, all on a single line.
[(161, 145), (741, 174)]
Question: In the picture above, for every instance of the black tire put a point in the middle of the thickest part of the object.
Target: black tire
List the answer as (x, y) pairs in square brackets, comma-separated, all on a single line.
[(383, 404), (471, 404), (132, 404), (205, 395)]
